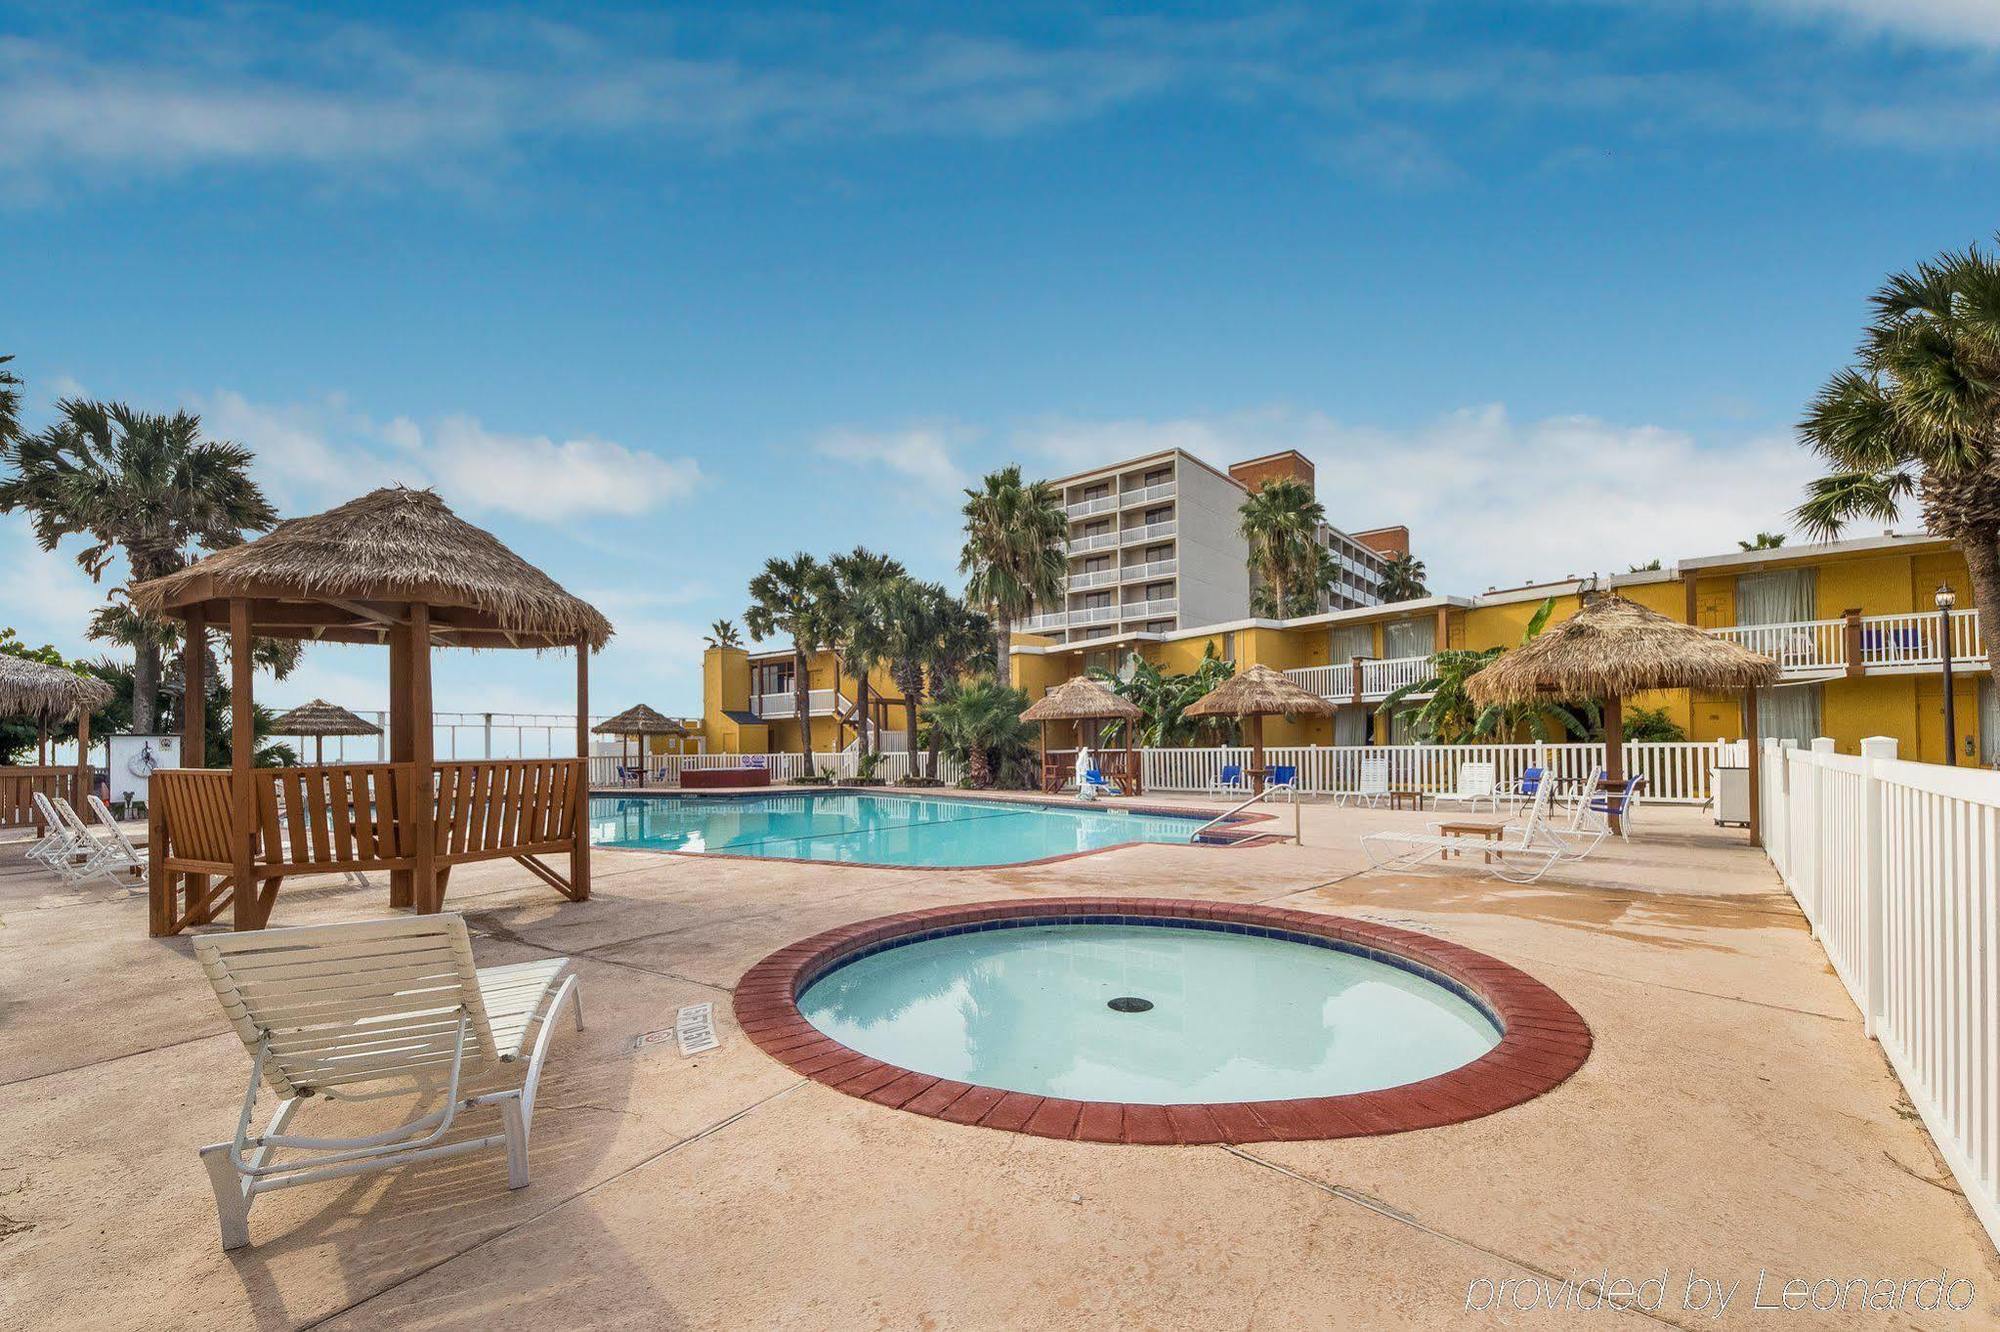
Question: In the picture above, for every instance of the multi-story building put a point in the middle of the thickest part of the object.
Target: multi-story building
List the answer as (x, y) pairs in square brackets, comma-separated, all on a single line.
[(1155, 543)]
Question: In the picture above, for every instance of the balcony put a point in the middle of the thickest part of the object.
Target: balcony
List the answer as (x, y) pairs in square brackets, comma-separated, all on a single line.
[(1150, 532), (1077, 545), (823, 702), (1906, 644), (1379, 678), (1165, 490), (1092, 615), (1047, 622), (1090, 507), (1146, 573), (1147, 610), (1083, 582)]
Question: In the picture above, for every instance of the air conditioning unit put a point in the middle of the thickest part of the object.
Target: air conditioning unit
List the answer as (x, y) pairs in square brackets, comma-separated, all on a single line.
[(1732, 797)]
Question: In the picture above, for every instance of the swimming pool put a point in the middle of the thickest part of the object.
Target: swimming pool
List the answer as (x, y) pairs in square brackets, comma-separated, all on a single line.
[(874, 828)]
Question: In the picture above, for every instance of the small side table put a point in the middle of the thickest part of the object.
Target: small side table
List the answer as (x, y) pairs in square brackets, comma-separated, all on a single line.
[(1408, 798), (1492, 832)]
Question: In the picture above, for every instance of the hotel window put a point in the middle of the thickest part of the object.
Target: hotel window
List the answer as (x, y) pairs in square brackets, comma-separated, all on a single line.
[(1229, 647), (1159, 626), (1097, 564), (1159, 476), (1409, 638), (1097, 527), (1350, 725), (1350, 641), (1159, 513), (1789, 712), (1989, 723), (1154, 554), (1787, 596)]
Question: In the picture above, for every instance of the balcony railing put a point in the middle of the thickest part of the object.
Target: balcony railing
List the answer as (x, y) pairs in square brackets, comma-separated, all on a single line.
[(1165, 490), (1100, 504), (1096, 541), (823, 702), (1080, 582), (1090, 615), (1902, 644), (1043, 623), (1146, 610), (1148, 532), (1146, 573), (1379, 679)]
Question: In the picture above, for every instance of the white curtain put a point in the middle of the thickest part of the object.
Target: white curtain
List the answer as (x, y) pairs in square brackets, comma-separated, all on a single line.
[(1350, 725), (1790, 712), (1409, 638), (1989, 723), (1351, 641), (1785, 597)]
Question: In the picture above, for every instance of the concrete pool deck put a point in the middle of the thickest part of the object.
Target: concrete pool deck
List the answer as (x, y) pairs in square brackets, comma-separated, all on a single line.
[(1732, 1119)]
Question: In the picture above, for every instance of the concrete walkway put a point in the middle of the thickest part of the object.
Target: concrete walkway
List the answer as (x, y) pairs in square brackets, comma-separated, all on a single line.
[(1732, 1120)]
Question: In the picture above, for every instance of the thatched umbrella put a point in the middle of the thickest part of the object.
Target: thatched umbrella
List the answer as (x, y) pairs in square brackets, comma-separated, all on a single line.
[(320, 719), (49, 696), (1079, 700), (1256, 693), (638, 720), (1614, 647), (397, 568)]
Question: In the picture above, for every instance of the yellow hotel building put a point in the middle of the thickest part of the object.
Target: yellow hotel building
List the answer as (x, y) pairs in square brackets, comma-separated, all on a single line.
[(1854, 625)]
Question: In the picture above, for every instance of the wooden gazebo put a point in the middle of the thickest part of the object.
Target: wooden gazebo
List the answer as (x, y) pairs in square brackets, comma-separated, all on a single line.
[(1614, 647), (320, 719), (1252, 695), (640, 721), (398, 569), (47, 696), (1089, 704)]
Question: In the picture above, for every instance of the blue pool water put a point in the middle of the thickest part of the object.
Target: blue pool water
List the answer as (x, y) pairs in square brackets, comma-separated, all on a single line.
[(1233, 1017), (872, 828)]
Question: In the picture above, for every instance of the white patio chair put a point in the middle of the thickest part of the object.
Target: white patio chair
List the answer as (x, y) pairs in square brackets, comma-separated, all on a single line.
[(1518, 856), (1475, 787), (57, 838), (1575, 837), (81, 856), (1374, 787), (116, 858), (366, 1010)]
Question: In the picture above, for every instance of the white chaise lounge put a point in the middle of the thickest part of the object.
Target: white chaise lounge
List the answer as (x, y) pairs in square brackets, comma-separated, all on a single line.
[(1523, 853), (360, 1011)]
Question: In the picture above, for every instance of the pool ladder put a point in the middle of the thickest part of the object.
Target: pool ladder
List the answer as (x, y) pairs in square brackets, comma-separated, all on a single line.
[(1264, 794)]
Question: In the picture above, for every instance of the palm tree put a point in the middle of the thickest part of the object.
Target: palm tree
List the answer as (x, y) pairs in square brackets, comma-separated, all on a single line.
[(1015, 552), (961, 644), (1920, 416), (142, 485), (722, 634), (790, 597), (1446, 714), (1403, 579), (981, 726), (1281, 521), (10, 404), (1164, 698), (860, 580), (911, 614), (1762, 541)]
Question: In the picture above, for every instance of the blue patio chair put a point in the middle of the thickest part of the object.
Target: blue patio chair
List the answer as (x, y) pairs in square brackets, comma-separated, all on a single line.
[(1524, 789), (1231, 781), (1622, 801), (631, 776), (1283, 777), (1092, 784)]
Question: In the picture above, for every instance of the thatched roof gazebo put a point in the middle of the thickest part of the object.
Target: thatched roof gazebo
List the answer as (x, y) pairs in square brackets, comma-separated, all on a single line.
[(48, 696), (320, 719), (1084, 700), (1614, 647), (394, 568), (1255, 693), (639, 720)]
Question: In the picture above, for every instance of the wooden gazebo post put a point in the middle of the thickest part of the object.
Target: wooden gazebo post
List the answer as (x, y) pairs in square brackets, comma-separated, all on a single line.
[(579, 855), (1614, 758), (243, 901), (1756, 747)]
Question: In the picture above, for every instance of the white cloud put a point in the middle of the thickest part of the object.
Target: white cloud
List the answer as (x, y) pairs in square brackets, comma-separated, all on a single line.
[(550, 480), (49, 597), (922, 453), (323, 451), (1942, 22), (1489, 500)]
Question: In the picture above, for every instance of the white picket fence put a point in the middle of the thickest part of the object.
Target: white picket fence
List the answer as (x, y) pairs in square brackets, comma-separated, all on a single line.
[(1676, 772), (784, 768), (1897, 867)]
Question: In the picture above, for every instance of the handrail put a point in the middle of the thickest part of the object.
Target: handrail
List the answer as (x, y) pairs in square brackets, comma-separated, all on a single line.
[(1195, 836)]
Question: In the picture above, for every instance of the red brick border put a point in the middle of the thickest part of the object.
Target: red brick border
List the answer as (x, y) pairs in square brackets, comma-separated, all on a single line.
[(1543, 1040)]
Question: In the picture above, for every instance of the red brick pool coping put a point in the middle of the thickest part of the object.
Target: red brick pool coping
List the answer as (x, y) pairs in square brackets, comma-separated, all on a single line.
[(1543, 1039)]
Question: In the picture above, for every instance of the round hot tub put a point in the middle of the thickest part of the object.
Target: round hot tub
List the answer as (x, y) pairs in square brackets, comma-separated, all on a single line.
[(1159, 1021)]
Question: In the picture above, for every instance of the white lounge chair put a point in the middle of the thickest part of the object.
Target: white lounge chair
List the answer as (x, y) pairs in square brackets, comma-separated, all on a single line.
[(1374, 787), (1518, 856), (1573, 839), (115, 857), (57, 837), (82, 856), (1475, 787), (360, 1011)]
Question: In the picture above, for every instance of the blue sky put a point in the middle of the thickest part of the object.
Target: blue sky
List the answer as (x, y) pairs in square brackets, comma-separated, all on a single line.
[(656, 294)]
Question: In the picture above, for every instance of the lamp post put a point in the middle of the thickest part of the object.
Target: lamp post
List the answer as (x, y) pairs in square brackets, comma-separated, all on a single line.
[(1946, 599)]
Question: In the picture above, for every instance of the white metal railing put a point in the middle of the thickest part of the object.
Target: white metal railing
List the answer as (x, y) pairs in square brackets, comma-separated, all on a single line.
[(1147, 494), (1911, 641), (1100, 504), (1145, 573), (1094, 615), (1897, 867), (455, 735), (1080, 582), (823, 702), (1046, 620), (1147, 532), (666, 769), (1676, 772), (1142, 610), (1379, 678), (1094, 541)]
